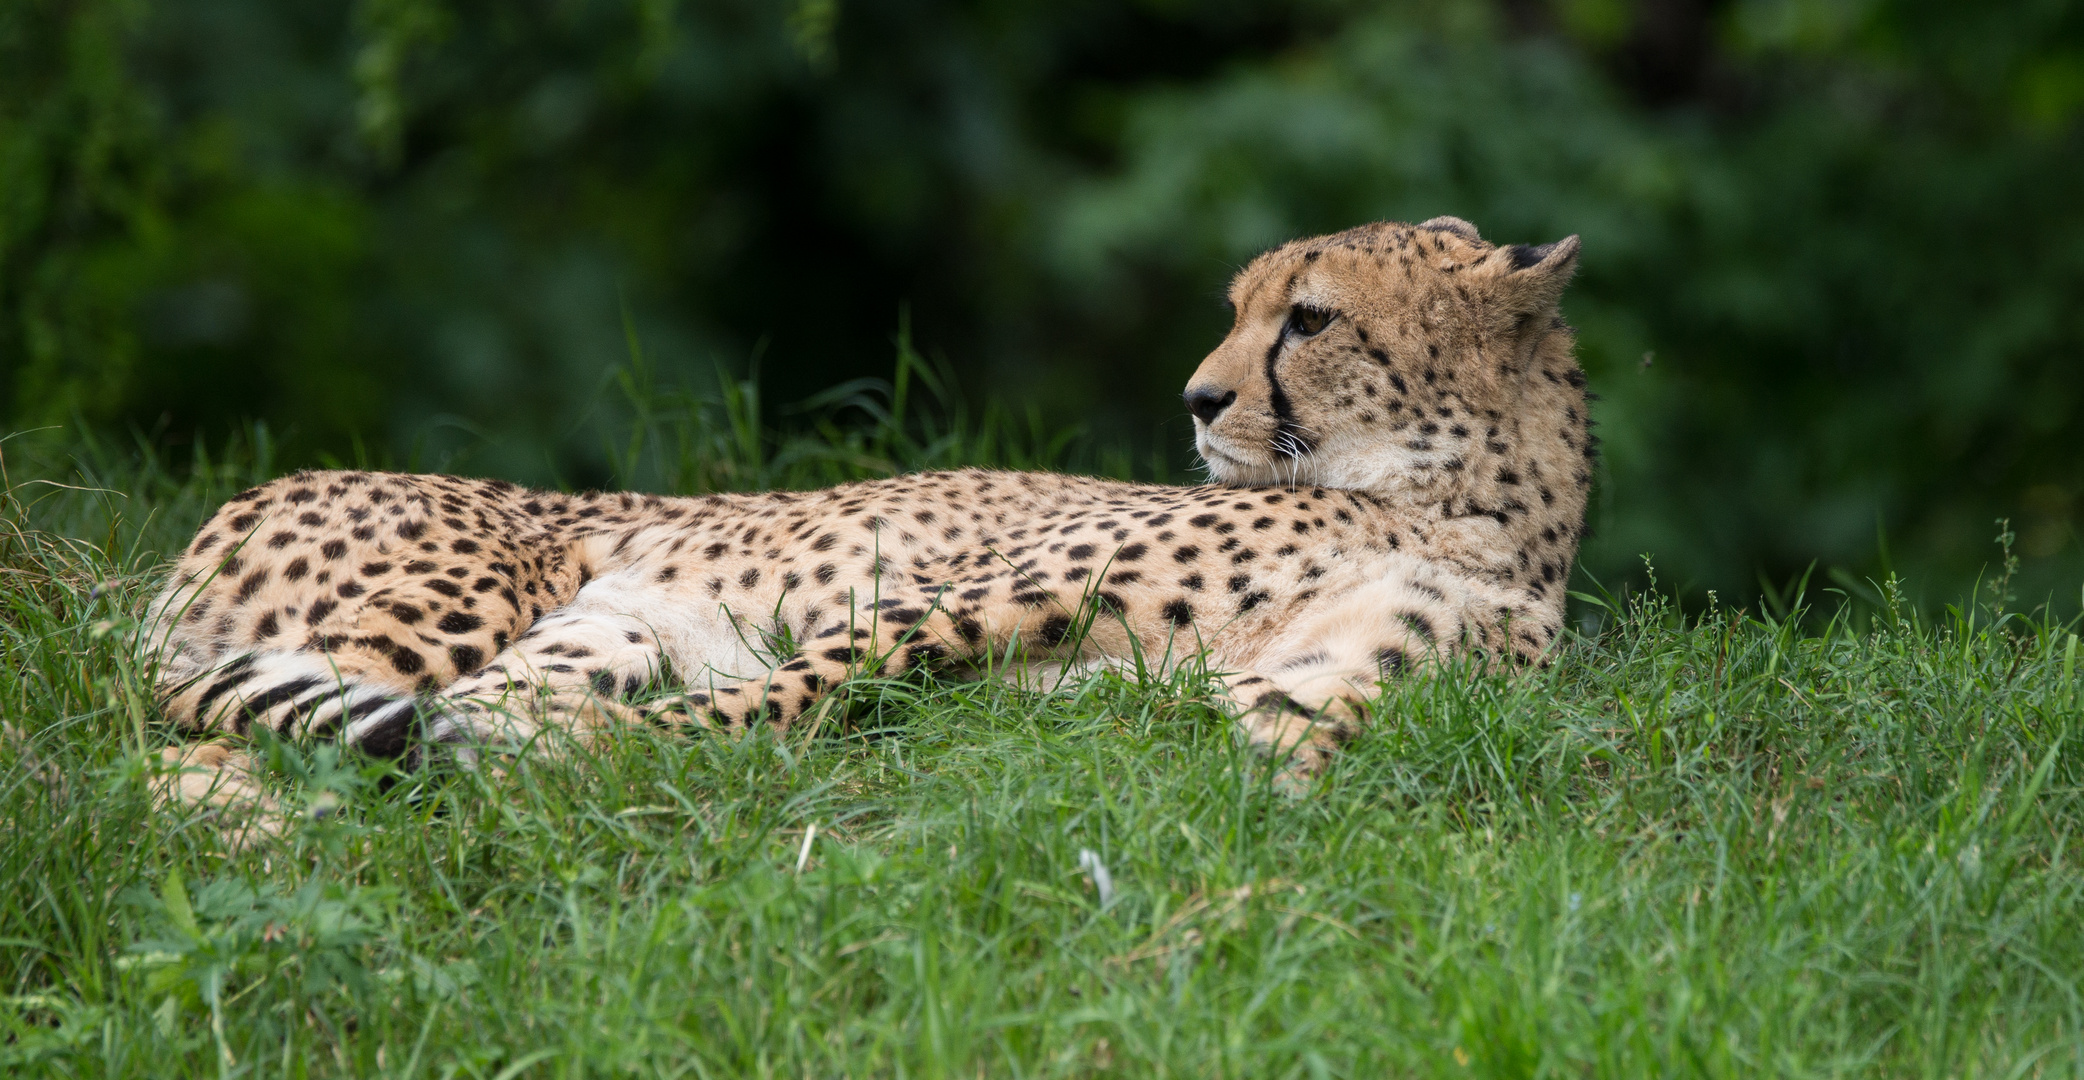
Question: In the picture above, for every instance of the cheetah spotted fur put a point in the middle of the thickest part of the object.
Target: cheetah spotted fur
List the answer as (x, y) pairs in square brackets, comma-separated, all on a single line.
[(1395, 428)]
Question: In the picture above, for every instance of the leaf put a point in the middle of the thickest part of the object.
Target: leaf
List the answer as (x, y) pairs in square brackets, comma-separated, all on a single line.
[(174, 896)]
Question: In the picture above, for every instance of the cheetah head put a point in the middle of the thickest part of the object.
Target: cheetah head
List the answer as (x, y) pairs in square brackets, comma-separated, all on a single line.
[(1388, 357)]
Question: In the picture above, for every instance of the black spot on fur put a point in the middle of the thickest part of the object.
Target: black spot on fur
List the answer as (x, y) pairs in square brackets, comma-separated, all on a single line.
[(458, 622), (1179, 612)]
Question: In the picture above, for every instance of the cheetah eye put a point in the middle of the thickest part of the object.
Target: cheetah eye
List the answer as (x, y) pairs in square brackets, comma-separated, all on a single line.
[(1308, 321)]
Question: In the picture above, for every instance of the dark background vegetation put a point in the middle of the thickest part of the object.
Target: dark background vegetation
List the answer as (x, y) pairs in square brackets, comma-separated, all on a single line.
[(1833, 283)]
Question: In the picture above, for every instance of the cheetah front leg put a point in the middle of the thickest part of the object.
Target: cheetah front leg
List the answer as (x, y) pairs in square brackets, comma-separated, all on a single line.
[(1306, 708), (1299, 729), (898, 633), (912, 628)]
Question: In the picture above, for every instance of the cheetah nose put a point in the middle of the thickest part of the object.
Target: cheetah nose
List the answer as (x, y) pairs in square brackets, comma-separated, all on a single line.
[(1208, 404)]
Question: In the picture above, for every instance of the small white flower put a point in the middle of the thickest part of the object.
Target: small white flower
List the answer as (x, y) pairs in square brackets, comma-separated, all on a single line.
[(1102, 880)]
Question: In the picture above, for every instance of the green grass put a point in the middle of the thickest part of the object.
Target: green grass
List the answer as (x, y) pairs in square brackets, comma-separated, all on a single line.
[(1702, 845)]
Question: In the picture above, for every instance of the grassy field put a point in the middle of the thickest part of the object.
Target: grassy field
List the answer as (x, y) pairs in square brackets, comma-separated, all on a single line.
[(1718, 844)]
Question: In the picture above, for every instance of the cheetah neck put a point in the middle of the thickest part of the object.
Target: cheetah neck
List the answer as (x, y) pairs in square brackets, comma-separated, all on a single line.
[(1512, 512)]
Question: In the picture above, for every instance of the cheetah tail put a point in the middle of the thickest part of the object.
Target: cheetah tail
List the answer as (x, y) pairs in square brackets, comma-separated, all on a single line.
[(300, 695)]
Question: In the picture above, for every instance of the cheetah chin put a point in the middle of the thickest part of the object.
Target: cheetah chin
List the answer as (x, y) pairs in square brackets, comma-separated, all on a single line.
[(1396, 432)]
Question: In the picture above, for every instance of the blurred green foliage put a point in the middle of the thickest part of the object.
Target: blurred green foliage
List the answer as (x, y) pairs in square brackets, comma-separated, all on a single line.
[(1833, 286)]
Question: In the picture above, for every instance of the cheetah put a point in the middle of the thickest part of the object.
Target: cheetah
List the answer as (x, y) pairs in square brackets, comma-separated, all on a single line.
[(1396, 435)]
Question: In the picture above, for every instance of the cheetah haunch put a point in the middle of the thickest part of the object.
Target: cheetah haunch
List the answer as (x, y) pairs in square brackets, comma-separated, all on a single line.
[(1397, 433)]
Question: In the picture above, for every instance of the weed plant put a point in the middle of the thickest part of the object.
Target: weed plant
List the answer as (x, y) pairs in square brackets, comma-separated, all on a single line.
[(1723, 844)]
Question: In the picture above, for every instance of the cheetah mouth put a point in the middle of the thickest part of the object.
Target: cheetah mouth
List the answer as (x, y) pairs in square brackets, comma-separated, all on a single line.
[(1219, 462), (1227, 465)]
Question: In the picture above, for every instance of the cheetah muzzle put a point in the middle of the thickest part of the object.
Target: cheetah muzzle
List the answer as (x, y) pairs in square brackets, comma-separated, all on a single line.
[(1396, 431)]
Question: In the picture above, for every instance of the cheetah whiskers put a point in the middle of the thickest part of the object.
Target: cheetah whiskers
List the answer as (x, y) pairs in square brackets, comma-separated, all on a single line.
[(1293, 446)]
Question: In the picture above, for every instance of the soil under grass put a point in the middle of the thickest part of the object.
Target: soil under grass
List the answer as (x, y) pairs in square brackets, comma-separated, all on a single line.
[(1713, 845)]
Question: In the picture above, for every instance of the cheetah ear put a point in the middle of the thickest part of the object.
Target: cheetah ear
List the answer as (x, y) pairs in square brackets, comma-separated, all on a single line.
[(1534, 276), (1558, 256), (1454, 225)]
